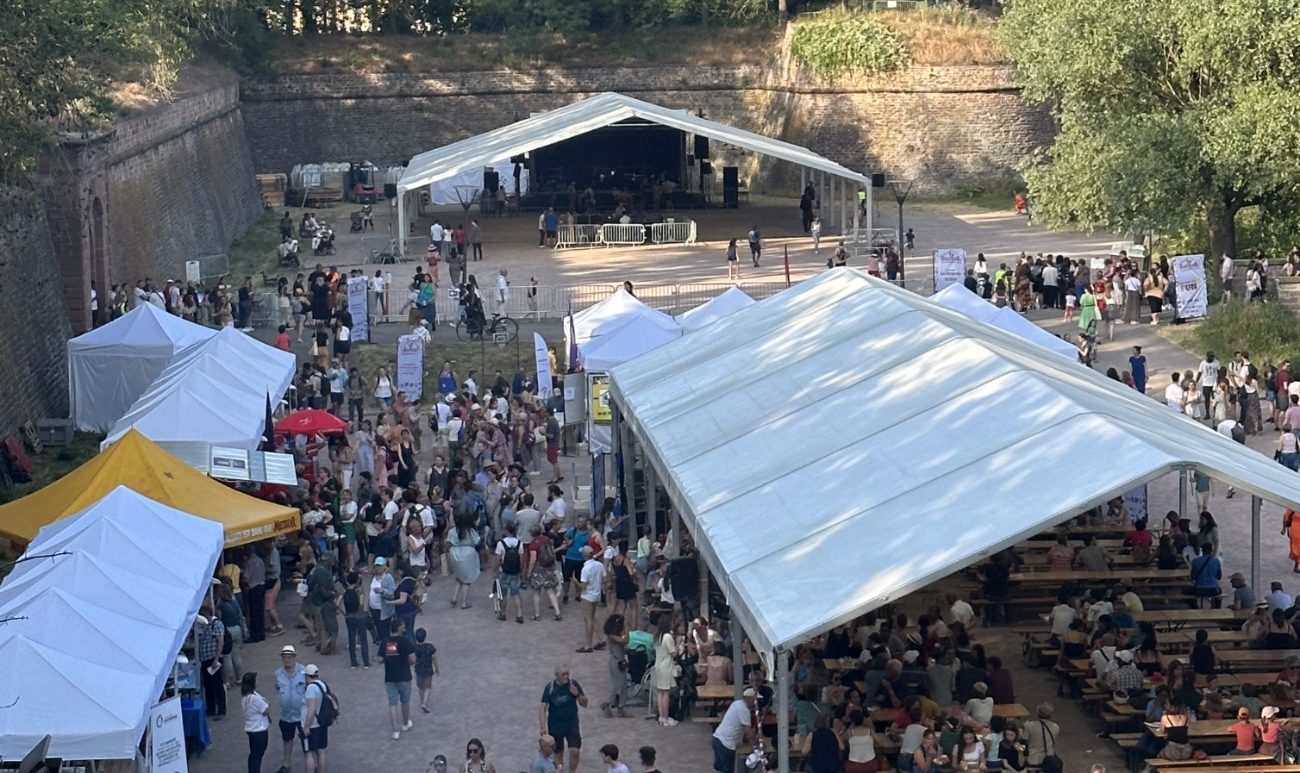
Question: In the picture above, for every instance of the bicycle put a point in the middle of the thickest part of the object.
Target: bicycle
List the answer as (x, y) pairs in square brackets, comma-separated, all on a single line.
[(499, 324)]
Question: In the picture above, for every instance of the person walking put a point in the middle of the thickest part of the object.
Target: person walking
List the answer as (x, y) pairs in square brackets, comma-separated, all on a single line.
[(462, 554), (666, 650), (291, 684), (475, 240), (591, 584), (254, 579), (476, 758), (733, 261), (315, 735), (542, 571), (755, 245), (616, 639), (545, 761), (558, 715), (510, 565), (257, 720), (398, 652), (211, 638)]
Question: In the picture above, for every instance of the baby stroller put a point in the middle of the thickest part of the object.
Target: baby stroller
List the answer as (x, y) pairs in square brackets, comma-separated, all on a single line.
[(640, 656), (357, 222)]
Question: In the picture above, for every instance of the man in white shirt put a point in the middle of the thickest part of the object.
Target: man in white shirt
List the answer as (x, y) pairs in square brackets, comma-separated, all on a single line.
[(736, 727), (1226, 273), (558, 510), (591, 582), (377, 286), (1060, 617), (1208, 376), (435, 236), (1278, 598), (421, 332), (138, 294), (960, 611), (503, 290), (156, 298), (1174, 394), (174, 296)]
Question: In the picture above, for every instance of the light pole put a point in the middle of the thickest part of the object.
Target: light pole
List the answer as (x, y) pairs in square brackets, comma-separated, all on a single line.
[(901, 189)]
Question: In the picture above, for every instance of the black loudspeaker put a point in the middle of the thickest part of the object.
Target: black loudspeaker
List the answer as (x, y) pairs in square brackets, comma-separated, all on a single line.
[(690, 160), (390, 190), (519, 159), (491, 181), (877, 180), (706, 167), (684, 578), (701, 147), (730, 187)]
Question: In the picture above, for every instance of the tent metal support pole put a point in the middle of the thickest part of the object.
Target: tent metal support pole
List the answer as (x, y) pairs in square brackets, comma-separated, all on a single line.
[(871, 207), (705, 609), (401, 224), (844, 206), (803, 179), (783, 711), (616, 448), (737, 654), (1254, 542), (1182, 493), (629, 482)]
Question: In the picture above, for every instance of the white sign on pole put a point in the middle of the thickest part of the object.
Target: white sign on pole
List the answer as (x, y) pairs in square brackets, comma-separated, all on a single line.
[(193, 271), (545, 380), (357, 291), (1135, 501), (410, 366), (229, 463), (167, 738), (949, 268), (1189, 283)]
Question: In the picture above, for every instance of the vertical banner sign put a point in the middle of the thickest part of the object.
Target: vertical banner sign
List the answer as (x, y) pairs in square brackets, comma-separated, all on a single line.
[(545, 379), (167, 738), (1135, 501), (410, 366), (1189, 280), (357, 292), (949, 268)]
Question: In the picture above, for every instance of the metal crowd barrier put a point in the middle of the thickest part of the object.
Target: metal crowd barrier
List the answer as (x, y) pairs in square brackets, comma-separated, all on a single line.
[(673, 233), (622, 234), (577, 236)]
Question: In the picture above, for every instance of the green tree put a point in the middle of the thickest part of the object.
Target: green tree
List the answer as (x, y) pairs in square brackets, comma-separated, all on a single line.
[(1167, 110)]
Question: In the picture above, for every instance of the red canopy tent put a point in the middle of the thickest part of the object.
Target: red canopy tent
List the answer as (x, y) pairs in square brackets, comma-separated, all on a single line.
[(310, 422)]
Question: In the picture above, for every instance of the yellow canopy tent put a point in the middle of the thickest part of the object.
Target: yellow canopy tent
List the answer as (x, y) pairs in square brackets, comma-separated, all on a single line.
[(138, 463)]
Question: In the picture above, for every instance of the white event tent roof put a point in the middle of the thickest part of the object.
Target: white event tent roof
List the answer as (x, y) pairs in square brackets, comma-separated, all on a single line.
[(612, 313), (97, 624), (111, 366), (215, 391), (853, 460), (629, 340), (731, 300), (959, 299)]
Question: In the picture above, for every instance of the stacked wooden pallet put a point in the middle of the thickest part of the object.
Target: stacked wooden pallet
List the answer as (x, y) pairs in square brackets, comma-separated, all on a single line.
[(273, 188), (321, 197)]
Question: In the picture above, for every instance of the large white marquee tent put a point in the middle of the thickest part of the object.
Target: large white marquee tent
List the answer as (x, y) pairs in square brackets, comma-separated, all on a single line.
[(471, 154), (959, 299), (862, 422), (111, 366)]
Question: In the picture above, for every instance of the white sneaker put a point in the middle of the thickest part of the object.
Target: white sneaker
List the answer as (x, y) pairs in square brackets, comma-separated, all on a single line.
[(408, 725), (396, 735)]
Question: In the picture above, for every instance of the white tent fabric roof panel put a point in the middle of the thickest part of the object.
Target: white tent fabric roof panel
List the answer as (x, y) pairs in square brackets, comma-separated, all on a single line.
[(630, 340), (731, 300), (588, 115), (867, 411), (111, 366), (958, 298)]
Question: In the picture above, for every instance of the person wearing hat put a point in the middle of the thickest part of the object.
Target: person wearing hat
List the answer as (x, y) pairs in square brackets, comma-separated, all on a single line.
[(438, 764), (591, 583), (316, 737), (291, 684), (1243, 596), (1269, 728), (737, 726), (1126, 675), (1040, 735)]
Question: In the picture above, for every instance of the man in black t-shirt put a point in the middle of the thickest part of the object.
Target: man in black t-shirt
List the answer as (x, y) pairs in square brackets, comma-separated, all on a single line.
[(398, 652), (558, 714)]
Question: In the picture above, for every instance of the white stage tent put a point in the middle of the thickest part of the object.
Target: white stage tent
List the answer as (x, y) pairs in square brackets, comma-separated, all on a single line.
[(111, 366), (862, 422), (959, 299), (631, 339), (732, 299), (96, 631), (612, 313), (216, 391), (583, 116)]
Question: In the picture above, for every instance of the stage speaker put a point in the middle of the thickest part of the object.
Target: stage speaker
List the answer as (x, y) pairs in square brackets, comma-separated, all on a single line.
[(701, 147), (491, 181), (690, 160), (877, 180), (519, 159), (706, 167), (684, 578), (730, 187), (390, 190)]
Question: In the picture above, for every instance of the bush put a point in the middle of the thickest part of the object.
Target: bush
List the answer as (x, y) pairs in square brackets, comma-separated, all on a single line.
[(833, 44), (1267, 330)]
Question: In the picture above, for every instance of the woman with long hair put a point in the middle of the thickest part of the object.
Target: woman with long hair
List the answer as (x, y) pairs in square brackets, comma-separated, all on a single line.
[(665, 664), (476, 758), (625, 586), (860, 737), (462, 554), (969, 753), (257, 720), (616, 638)]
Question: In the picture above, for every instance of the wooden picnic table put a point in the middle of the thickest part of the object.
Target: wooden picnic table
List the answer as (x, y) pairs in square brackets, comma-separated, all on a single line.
[(1203, 729), (1176, 619), (1075, 530), (1037, 561), (1254, 660), (885, 716), (1044, 545), (1118, 575), (842, 664), (715, 693)]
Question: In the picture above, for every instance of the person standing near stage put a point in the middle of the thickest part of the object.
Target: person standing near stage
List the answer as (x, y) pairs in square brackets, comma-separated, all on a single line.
[(755, 245)]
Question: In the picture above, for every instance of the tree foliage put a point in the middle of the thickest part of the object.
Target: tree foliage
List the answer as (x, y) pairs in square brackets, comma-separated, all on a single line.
[(1167, 111), (833, 44)]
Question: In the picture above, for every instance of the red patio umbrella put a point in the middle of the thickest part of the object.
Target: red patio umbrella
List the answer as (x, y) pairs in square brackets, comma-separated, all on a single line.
[(310, 422)]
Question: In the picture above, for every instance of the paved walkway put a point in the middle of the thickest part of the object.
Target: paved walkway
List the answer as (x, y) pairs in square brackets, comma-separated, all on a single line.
[(493, 672)]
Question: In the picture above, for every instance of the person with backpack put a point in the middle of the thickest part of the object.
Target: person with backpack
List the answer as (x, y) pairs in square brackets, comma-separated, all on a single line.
[(357, 619), (576, 538), (510, 569), (1040, 736), (541, 572), (755, 245), (320, 709)]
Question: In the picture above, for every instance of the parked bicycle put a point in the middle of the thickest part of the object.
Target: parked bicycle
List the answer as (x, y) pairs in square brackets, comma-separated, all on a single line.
[(472, 330)]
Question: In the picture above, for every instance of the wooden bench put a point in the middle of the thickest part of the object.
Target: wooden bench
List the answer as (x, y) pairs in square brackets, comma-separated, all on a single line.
[(706, 720), (1233, 760)]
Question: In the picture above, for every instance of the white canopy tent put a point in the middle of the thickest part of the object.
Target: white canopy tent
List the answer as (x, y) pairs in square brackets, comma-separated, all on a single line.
[(731, 300), (97, 624), (868, 418), (111, 366), (633, 338), (611, 314), (578, 118), (215, 391), (963, 301)]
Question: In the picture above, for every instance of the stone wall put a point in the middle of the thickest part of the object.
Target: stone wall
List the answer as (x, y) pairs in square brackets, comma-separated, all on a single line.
[(34, 379), (945, 127), (180, 185)]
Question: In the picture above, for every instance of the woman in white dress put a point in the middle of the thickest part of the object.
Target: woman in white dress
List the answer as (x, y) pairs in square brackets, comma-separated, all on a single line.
[(665, 664)]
